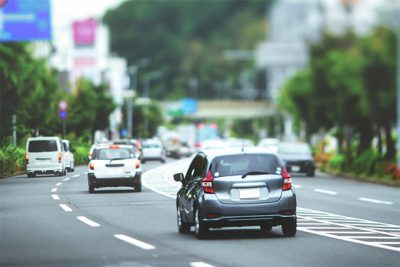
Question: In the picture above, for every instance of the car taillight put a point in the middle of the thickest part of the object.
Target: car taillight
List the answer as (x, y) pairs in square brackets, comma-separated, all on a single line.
[(137, 164), (207, 183), (198, 145), (287, 180), (91, 166), (27, 158), (59, 157)]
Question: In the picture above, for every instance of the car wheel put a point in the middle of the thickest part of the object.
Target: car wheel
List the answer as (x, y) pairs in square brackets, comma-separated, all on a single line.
[(31, 174), (311, 173), (162, 160), (199, 228), (265, 227), (289, 228), (72, 169), (138, 187), (183, 227), (91, 188)]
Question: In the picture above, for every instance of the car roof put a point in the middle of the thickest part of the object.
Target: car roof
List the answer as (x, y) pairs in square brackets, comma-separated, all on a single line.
[(44, 138), (212, 153)]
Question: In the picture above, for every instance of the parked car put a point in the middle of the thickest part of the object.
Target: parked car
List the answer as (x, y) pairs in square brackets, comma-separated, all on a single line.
[(113, 166), (298, 158), (236, 187), (153, 150), (69, 156), (44, 155)]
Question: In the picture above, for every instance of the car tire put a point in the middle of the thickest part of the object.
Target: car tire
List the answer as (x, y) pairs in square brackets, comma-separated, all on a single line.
[(91, 188), (311, 173), (72, 169), (200, 229), (183, 227), (31, 174), (289, 228), (138, 187), (265, 228), (162, 160)]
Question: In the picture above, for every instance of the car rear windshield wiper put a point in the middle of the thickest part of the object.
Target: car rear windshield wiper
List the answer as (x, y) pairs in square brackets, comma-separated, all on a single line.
[(254, 173), (116, 159)]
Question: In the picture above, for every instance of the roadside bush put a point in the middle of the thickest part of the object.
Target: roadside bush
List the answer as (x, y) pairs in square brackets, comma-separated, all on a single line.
[(365, 163), (337, 162), (12, 159), (80, 155)]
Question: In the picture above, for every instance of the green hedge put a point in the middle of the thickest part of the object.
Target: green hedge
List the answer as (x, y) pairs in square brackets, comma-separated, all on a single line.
[(80, 155), (12, 159)]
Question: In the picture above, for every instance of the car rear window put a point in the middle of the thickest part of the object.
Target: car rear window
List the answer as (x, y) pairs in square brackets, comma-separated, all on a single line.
[(151, 145), (108, 153), (231, 165), (42, 146), (65, 146)]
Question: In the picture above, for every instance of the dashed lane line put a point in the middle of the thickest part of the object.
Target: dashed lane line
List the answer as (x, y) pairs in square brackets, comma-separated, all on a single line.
[(200, 264), (135, 242), (88, 221), (376, 201), (55, 197), (323, 191), (76, 175), (66, 179), (53, 190), (58, 184), (65, 208)]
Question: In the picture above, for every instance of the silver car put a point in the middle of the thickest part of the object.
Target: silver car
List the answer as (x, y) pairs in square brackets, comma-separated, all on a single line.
[(236, 187)]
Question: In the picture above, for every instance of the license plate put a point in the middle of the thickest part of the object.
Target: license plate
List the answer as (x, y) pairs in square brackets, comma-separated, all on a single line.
[(115, 171), (249, 193), (295, 168)]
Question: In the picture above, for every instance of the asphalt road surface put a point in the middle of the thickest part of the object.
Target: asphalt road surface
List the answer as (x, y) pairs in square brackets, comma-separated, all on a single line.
[(54, 221)]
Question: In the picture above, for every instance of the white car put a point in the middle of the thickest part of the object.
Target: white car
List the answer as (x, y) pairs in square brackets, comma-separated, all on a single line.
[(69, 156), (270, 143), (152, 149), (45, 155), (114, 165)]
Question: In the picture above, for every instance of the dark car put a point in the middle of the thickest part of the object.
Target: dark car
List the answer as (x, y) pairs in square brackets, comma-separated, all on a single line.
[(297, 157), (236, 187)]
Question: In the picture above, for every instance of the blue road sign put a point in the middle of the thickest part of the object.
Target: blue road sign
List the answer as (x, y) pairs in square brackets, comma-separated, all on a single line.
[(25, 20), (62, 114), (189, 106)]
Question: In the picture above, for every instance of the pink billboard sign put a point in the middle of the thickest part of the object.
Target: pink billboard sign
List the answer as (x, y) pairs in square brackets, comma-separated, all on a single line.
[(84, 32)]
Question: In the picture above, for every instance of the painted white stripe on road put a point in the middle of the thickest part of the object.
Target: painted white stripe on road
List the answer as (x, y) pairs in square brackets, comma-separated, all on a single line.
[(296, 186), (66, 179), (53, 190), (135, 242), (376, 201), (76, 175), (58, 184), (88, 221), (65, 208), (55, 197), (328, 192), (200, 264)]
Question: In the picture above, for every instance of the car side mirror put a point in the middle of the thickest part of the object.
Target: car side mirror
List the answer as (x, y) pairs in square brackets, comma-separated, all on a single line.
[(178, 177)]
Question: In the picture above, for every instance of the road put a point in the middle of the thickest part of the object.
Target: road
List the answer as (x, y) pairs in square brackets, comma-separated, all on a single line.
[(54, 221)]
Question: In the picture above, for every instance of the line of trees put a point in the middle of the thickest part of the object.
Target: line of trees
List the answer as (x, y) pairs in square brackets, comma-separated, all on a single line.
[(348, 88), (30, 89)]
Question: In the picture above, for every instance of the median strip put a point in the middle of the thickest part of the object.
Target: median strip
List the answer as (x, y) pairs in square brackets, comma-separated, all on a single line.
[(65, 208), (88, 221), (135, 242), (376, 201)]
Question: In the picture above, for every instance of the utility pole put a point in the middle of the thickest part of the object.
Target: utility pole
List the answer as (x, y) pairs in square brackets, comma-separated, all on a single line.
[(14, 127)]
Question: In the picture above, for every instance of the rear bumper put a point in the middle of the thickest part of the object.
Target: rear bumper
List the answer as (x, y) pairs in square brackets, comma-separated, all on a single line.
[(114, 182), (217, 214), (44, 168), (305, 166)]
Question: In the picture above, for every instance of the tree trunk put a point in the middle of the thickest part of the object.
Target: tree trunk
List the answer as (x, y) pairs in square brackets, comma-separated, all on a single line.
[(390, 145), (379, 145), (366, 136)]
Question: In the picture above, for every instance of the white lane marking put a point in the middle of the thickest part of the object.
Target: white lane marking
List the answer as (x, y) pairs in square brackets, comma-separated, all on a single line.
[(373, 244), (328, 192), (58, 184), (55, 197), (65, 208), (135, 242), (372, 237), (88, 221), (66, 179), (389, 243), (200, 264), (76, 175), (85, 173), (296, 186), (376, 201), (53, 190)]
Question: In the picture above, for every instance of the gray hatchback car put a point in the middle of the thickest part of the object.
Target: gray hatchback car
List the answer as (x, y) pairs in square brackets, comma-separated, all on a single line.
[(236, 187)]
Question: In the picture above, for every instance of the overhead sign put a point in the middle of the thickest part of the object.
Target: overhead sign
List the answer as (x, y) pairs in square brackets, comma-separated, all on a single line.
[(25, 20)]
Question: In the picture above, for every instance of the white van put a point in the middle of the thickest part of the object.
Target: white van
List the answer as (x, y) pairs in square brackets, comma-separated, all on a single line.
[(44, 155), (69, 156)]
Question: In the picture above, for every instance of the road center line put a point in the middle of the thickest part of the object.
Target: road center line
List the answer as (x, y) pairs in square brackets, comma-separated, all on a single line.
[(88, 221), (53, 190), (55, 197), (135, 242), (376, 201), (66, 179), (200, 264), (58, 184), (65, 208), (328, 192)]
